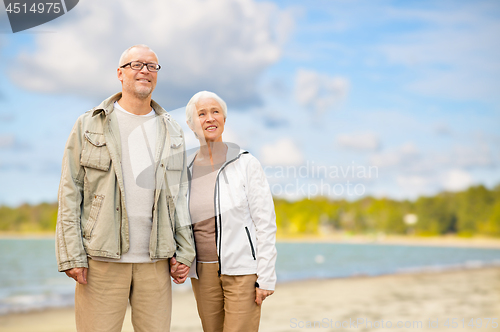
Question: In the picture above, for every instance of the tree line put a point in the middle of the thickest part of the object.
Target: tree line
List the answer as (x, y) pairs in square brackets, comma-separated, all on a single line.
[(475, 211), (29, 218)]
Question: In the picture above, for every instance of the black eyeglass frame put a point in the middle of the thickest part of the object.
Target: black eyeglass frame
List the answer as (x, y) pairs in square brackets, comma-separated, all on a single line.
[(143, 64)]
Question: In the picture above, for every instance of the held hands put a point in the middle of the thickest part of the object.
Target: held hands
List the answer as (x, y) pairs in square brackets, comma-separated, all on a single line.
[(178, 271), (79, 274), (261, 295)]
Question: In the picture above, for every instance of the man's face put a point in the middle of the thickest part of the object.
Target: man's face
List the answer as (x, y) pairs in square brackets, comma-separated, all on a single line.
[(139, 83)]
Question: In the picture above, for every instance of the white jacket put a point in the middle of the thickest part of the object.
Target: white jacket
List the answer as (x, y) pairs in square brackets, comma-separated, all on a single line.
[(245, 220)]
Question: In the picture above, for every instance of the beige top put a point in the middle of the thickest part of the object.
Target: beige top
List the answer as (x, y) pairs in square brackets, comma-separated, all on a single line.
[(201, 207)]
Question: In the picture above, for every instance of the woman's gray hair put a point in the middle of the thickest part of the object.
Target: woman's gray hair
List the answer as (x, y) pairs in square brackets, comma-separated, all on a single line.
[(191, 106)]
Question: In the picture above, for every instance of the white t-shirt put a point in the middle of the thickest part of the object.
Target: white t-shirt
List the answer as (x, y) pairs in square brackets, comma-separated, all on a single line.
[(138, 136)]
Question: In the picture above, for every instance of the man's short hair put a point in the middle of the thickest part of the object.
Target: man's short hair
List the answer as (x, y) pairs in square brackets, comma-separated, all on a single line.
[(125, 53), (191, 106)]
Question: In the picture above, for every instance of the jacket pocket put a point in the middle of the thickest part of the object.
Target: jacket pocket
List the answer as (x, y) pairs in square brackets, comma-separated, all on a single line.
[(93, 215), (250, 240), (95, 154), (176, 157)]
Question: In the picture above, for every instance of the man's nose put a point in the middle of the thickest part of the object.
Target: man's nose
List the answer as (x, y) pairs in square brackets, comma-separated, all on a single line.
[(144, 69)]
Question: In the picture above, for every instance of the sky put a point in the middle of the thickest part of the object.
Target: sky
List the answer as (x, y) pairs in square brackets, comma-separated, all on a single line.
[(343, 99)]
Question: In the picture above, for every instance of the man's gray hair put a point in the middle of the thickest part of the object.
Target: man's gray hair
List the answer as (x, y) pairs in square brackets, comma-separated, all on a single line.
[(191, 106), (125, 53)]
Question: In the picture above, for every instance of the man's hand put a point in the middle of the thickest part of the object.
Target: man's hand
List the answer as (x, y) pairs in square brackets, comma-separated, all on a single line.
[(261, 295), (178, 271), (79, 274)]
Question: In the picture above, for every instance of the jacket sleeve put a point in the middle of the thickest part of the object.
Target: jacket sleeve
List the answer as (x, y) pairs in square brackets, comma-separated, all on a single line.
[(70, 252), (261, 206), (185, 252)]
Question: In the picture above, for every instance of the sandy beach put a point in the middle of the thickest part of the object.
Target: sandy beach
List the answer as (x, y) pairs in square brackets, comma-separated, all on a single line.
[(362, 304)]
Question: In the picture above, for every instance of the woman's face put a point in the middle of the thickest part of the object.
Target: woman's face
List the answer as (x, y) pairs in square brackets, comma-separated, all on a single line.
[(208, 120)]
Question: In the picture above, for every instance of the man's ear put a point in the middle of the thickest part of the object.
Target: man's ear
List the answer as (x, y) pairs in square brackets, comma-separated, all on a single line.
[(119, 74)]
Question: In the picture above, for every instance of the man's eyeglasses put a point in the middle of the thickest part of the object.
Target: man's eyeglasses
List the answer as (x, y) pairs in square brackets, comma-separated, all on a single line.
[(137, 65)]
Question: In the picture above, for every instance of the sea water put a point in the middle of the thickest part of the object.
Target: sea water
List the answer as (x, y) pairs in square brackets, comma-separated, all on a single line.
[(29, 279)]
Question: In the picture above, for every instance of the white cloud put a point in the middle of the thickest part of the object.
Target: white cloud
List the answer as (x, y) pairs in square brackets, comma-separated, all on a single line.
[(414, 185), (362, 141), (456, 180), (418, 173), (454, 52), (223, 46), (477, 156), (319, 92), (404, 155), (462, 156), (411, 165), (283, 152)]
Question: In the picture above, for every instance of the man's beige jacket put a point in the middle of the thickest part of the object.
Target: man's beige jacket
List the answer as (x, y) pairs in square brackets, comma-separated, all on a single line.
[(92, 218)]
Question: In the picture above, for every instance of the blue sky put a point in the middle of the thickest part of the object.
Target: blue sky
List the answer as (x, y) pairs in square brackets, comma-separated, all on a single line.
[(406, 89)]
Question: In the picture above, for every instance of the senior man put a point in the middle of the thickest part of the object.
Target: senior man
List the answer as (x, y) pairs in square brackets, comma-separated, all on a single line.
[(122, 205)]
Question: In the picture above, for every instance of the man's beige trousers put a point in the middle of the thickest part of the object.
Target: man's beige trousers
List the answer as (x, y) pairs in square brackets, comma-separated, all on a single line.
[(225, 303), (100, 305)]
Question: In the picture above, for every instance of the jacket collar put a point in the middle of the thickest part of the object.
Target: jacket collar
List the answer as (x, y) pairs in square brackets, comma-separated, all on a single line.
[(107, 106), (233, 152)]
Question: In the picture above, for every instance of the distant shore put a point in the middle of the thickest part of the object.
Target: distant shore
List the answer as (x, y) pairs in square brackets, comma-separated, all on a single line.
[(446, 240), (419, 298), (13, 235)]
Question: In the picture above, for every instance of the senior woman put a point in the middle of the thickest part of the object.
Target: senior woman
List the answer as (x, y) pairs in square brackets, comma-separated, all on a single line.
[(234, 224)]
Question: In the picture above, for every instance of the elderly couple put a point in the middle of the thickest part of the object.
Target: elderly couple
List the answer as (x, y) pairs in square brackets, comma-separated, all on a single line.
[(135, 211)]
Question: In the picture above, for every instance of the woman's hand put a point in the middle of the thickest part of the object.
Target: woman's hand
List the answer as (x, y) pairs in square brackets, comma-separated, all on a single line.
[(261, 295), (178, 271)]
